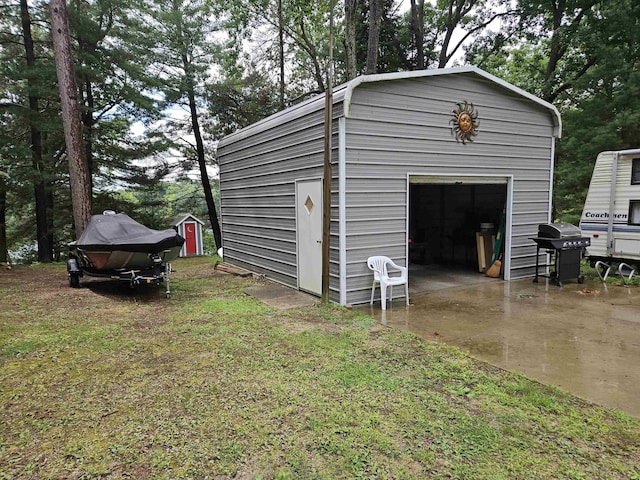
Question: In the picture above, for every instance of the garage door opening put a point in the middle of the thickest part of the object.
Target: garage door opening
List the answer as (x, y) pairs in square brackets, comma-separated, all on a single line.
[(445, 216)]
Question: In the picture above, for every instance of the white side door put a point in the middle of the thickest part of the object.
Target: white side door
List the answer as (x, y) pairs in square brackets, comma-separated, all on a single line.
[(309, 228)]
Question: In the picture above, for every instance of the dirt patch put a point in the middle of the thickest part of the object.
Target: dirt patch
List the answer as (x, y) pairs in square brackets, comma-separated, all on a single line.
[(279, 296), (49, 283)]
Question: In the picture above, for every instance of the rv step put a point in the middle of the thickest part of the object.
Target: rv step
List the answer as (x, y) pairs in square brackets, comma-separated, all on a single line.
[(625, 271)]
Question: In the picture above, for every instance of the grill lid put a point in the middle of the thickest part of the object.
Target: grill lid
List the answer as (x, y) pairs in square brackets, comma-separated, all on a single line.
[(558, 230)]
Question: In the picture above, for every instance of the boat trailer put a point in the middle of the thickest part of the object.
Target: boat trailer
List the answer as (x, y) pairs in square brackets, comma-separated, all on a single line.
[(158, 274)]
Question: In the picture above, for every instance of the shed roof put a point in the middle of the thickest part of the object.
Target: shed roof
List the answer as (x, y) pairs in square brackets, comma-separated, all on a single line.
[(184, 216), (344, 92)]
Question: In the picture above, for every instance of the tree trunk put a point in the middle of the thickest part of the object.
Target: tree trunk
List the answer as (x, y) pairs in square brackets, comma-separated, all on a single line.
[(281, 47), (307, 44), (79, 175), (4, 253), (554, 51), (451, 23), (43, 235), (456, 12), (373, 43), (204, 176), (417, 31), (350, 29), (206, 185), (50, 200), (88, 46), (88, 122)]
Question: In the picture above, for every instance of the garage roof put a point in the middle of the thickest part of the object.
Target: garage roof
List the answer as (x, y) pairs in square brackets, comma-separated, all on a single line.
[(344, 92)]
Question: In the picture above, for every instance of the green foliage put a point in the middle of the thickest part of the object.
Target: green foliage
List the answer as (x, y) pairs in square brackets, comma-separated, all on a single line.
[(394, 47), (239, 102), (157, 206), (604, 113), (137, 62), (114, 90), (586, 64)]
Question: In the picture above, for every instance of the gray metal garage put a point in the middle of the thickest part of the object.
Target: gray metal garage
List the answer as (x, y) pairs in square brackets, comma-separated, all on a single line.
[(419, 158)]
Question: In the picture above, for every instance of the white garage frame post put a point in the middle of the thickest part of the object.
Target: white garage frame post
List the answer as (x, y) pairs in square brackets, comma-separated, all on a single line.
[(506, 261), (342, 207)]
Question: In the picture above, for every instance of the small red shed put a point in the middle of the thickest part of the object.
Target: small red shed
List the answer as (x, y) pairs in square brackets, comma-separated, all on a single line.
[(190, 228)]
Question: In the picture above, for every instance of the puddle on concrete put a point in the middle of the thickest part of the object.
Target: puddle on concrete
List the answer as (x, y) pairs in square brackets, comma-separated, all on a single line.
[(583, 338)]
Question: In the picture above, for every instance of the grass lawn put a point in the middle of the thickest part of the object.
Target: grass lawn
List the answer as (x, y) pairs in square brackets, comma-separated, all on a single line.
[(99, 382)]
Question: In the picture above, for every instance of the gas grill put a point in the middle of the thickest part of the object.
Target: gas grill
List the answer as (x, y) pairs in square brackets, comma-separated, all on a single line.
[(565, 243)]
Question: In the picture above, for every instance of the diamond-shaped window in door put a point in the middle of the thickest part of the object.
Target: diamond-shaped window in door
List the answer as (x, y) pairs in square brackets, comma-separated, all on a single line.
[(308, 204)]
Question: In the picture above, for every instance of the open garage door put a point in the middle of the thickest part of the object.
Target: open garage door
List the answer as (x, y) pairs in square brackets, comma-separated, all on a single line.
[(447, 212)]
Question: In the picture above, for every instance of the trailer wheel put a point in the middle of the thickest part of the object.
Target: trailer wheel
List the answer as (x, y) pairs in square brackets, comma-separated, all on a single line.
[(581, 279), (74, 280)]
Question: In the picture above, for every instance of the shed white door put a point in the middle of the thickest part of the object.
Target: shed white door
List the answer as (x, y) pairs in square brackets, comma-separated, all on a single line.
[(309, 226)]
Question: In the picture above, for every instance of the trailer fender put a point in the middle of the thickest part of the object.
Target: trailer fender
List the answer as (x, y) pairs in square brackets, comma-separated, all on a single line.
[(72, 266)]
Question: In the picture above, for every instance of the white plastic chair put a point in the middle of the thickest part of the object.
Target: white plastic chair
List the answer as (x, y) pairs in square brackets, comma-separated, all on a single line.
[(379, 265)]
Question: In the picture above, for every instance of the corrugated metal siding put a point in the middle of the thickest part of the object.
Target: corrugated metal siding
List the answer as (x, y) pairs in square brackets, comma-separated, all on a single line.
[(402, 126), (258, 170), (394, 127)]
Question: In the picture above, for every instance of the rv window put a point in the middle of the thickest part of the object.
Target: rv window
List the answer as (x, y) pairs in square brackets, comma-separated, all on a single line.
[(634, 212), (635, 171)]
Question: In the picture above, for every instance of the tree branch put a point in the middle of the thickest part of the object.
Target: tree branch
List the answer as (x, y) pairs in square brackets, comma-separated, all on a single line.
[(567, 85), (477, 28), (305, 95), (9, 105)]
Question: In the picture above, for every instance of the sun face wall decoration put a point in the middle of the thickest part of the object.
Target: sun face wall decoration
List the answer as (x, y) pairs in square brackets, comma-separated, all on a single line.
[(465, 122)]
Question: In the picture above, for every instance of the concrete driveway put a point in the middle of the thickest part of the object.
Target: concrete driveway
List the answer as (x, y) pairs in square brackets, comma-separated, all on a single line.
[(584, 339)]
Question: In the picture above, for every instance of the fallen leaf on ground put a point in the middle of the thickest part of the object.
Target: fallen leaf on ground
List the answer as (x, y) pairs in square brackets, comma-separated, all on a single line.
[(525, 295), (586, 291)]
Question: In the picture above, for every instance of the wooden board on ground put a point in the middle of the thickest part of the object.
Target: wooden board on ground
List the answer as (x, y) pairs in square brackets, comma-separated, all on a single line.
[(241, 272)]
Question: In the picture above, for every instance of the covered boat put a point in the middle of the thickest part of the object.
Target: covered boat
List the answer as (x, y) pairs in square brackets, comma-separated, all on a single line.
[(116, 246)]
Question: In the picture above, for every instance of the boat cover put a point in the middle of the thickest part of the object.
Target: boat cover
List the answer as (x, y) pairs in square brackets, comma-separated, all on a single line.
[(118, 231)]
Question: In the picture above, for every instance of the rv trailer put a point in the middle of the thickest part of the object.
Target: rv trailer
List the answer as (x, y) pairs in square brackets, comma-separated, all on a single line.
[(611, 214)]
